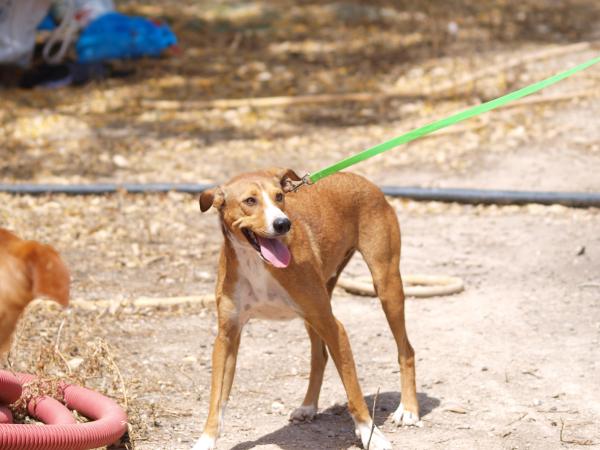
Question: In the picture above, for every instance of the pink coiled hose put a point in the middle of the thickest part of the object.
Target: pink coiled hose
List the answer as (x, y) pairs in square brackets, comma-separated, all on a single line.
[(61, 432)]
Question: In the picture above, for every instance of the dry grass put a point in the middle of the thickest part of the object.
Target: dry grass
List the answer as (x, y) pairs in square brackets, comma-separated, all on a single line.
[(80, 356)]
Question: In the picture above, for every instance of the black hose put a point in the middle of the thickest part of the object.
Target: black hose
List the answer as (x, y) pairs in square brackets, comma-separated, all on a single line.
[(470, 196), (102, 188), (495, 197)]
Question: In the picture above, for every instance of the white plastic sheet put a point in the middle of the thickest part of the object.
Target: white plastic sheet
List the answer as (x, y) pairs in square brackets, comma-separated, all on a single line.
[(18, 22)]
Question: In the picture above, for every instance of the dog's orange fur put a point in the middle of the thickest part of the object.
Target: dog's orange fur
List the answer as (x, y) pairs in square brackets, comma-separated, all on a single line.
[(28, 270), (330, 221)]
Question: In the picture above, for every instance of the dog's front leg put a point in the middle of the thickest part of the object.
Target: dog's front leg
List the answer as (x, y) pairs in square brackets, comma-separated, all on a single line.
[(224, 359), (334, 335)]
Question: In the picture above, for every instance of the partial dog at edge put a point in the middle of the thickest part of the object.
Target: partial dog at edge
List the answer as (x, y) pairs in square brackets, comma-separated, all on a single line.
[(28, 270), (282, 254)]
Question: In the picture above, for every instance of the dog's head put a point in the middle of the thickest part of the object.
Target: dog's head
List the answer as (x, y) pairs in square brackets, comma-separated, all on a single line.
[(34, 269), (252, 211)]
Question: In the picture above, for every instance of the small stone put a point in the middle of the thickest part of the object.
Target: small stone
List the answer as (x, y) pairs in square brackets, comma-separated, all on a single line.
[(204, 275), (75, 363), (455, 408), (120, 161), (277, 407), (452, 28), (264, 76)]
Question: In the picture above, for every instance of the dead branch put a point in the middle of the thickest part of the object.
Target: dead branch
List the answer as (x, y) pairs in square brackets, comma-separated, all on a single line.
[(373, 418), (451, 86), (540, 99), (145, 302), (57, 347), (441, 89), (108, 354), (574, 441), (263, 102), (521, 417)]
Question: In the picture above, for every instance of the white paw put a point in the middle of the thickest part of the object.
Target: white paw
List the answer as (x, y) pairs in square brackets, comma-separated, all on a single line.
[(378, 439), (406, 418), (205, 443), (303, 414)]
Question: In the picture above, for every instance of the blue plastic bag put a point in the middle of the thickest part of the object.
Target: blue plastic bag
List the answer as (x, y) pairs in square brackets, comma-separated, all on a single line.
[(117, 36), (47, 24)]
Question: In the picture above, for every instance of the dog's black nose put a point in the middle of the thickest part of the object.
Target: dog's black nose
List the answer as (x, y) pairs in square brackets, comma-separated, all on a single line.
[(282, 225)]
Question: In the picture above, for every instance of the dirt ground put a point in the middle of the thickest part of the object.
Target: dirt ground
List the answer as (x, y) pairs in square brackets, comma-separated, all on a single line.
[(512, 362)]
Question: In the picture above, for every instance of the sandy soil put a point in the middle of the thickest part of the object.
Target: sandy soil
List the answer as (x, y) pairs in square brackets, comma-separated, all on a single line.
[(516, 353), (512, 362)]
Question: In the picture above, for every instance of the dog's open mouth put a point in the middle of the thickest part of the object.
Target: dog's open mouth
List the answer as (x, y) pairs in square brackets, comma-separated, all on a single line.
[(272, 250)]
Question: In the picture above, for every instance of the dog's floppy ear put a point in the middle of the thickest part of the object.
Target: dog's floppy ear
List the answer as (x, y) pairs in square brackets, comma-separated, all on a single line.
[(211, 197), (48, 273), (6, 237), (286, 177)]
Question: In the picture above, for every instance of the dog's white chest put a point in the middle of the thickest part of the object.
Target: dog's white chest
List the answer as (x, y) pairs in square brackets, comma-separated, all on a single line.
[(257, 293)]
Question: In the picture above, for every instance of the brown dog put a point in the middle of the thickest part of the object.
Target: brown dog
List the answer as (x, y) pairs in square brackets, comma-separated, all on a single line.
[(281, 257), (28, 269)]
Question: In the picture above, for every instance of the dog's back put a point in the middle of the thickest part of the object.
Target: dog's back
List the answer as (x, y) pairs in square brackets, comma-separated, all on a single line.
[(343, 194), (337, 211)]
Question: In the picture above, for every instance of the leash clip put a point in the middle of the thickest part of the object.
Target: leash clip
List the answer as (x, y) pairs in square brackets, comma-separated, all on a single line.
[(304, 181)]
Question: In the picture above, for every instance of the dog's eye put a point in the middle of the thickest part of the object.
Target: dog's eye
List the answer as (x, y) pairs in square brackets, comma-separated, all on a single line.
[(250, 201), (279, 197)]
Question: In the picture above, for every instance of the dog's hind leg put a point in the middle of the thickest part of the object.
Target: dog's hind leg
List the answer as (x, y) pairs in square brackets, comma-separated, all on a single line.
[(379, 243), (318, 360)]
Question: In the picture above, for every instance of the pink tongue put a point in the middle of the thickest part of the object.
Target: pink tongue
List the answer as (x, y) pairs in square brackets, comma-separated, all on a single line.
[(274, 252)]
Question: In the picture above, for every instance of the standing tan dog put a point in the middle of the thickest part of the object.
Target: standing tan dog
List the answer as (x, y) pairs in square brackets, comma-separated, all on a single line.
[(28, 269), (281, 257)]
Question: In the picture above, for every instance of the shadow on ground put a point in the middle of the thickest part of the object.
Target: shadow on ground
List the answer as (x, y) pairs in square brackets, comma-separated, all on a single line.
[(333, 427)]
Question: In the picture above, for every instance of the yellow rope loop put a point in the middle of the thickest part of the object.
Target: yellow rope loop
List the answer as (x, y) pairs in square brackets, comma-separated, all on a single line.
[(417, 286)]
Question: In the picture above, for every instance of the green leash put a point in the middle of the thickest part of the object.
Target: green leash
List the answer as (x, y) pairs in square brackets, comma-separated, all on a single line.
[(434, 126)]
